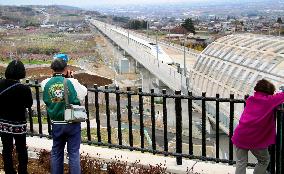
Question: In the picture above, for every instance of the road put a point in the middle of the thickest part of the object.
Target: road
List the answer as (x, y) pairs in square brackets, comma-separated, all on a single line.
[(47, 16)]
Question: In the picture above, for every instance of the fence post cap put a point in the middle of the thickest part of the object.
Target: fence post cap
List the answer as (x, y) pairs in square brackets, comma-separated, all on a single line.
[(178, 92)]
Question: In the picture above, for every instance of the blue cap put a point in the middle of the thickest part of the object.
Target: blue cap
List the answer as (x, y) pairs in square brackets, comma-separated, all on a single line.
[(61, 56)]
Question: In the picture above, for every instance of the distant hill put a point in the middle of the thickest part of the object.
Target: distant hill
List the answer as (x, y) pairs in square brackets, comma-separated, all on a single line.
[(66, 7), (63, 7), (31, 15), (221, 2), (18, 15)]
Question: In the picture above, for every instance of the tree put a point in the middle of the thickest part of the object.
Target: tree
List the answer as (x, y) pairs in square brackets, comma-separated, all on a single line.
[(279, 20), (121, 19), (137, 24), (188, 25)]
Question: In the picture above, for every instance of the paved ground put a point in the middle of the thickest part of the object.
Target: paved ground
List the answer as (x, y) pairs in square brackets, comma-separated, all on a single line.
[(178, 56), (145, 158)]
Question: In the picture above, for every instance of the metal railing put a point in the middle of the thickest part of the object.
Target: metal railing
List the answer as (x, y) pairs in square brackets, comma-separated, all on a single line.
[(96, 96)]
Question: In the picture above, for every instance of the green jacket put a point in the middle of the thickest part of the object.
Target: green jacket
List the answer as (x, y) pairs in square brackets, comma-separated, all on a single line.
[(53, 96)]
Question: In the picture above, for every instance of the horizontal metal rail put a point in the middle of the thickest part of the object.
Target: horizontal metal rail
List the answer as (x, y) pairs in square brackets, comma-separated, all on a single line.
[(103, 99)]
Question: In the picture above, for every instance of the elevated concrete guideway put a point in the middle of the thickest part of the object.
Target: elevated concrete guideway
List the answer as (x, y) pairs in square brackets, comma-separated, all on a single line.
[(164, 72)]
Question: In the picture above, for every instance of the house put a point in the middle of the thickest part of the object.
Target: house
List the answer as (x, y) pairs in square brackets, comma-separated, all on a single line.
[(175, 36), (70, 29), (47, 26), (199, 39), (179, 30)]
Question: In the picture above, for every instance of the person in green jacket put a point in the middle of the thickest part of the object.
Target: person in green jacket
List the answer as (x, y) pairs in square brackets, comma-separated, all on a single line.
[(62, 131)]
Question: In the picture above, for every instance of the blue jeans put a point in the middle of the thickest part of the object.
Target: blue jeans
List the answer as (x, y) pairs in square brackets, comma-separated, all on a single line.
[(62, 134)]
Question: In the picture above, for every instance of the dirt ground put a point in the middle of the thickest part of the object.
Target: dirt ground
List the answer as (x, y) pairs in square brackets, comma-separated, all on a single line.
[(2, 70), (42, 73)]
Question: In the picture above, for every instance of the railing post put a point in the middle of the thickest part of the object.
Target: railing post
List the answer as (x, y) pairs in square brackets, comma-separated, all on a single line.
[(279, 141), (141, 114), (153, 120), (108, 115), (88, 117), (190, 143), (118, 116), (178, 127), (165, 120), (271, 166), (282, 143), (30, 112), (130, 117), (246, 97), (203, 126), (38, 108), (31, 120), (231, 127), (48, 124), (98, 114), (217, 125)]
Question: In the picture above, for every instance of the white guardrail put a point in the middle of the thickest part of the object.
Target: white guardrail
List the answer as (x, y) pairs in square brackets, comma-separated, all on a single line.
[(188, 51)]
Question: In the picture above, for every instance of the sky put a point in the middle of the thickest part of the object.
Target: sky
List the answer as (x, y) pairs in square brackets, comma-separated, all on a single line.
[(82, 3), (94, 3)]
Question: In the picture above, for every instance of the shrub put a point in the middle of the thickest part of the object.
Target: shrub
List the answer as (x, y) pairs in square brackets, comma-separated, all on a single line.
[(91, 165), (44, 159)]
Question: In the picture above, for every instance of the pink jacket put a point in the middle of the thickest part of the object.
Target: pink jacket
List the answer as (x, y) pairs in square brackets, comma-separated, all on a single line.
[(256, 129)]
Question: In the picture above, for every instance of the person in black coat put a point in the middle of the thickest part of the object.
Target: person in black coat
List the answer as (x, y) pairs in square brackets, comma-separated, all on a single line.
[(14, 99)]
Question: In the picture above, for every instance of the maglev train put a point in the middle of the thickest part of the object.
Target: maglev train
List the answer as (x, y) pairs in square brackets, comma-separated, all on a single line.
[(151, 48)]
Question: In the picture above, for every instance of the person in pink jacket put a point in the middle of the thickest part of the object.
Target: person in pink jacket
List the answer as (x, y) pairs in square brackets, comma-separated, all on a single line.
[(256, 129)]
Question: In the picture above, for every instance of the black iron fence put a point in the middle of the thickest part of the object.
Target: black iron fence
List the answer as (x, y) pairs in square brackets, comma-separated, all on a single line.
[(97, 111)]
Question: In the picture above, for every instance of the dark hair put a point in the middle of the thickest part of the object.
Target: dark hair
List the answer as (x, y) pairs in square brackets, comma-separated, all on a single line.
[(15, 70), (58, 65), (265, 86)]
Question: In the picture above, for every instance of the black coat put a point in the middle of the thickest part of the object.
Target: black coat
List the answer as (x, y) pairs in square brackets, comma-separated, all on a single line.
[(13, 102)]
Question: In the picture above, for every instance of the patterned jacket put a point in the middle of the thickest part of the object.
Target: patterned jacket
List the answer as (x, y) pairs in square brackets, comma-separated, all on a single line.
[(53, 95), (13, 102)]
